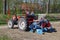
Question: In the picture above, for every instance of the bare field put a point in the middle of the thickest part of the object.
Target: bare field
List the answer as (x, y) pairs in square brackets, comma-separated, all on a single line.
[(16, 34)]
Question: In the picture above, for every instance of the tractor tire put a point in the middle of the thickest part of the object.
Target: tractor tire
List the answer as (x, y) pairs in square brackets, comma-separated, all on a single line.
[(10, 24), (22, 24)]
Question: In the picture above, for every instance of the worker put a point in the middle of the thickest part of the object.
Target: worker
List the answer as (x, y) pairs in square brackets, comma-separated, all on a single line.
[(14, 18), (23, 13)]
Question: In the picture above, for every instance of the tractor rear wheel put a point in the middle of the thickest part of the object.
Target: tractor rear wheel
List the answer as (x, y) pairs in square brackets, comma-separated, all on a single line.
[(22, 24)]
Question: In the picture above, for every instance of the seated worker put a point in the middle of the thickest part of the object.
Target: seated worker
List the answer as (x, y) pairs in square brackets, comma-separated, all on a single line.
[(43, 20), (31, 15), (27, 12), (44, 23), (14, 18), (34, 26), (23, 13)]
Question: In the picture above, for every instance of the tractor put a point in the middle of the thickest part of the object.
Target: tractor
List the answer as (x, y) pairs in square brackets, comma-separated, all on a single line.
[(24, 23)]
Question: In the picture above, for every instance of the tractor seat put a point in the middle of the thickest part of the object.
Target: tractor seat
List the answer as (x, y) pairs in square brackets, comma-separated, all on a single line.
[(30, 20)]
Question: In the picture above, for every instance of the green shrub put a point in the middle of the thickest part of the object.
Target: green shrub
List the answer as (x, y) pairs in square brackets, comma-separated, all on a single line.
[(4, 18), (51, 18)]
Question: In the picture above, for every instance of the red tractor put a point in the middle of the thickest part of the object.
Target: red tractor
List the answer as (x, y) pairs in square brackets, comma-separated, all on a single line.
[(22, 22)]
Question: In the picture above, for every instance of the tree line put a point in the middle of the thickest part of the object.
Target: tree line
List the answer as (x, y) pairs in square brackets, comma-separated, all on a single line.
[(53, 7)]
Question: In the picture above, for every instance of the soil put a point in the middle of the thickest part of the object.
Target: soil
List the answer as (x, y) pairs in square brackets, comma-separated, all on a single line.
[(16, 34)]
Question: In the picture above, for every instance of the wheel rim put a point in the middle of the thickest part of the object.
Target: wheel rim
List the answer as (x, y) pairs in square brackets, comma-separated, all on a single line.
[(9, 24)]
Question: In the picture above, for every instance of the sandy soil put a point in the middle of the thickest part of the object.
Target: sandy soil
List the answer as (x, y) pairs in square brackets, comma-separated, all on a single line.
[(16, 34)]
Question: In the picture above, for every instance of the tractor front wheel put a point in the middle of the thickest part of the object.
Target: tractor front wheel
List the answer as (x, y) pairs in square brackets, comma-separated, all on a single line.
[(10, 24)]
